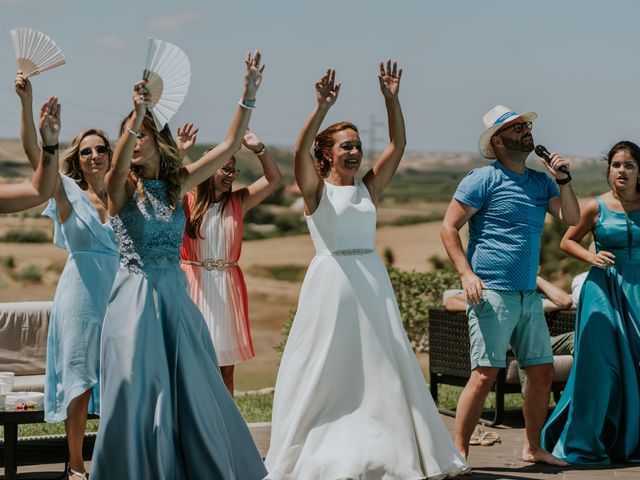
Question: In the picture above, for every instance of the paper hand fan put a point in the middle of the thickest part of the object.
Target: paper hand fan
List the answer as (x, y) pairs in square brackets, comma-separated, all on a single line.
[(168, 73), (35, 51)]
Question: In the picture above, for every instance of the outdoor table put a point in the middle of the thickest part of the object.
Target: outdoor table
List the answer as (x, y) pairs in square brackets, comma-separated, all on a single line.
[(11, 418)]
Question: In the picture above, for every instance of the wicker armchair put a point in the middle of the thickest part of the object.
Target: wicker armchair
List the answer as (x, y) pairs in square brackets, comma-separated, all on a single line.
[(449, 357)]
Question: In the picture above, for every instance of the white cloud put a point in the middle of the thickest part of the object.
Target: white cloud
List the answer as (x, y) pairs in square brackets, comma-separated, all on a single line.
[(174, 21), (109, 42)]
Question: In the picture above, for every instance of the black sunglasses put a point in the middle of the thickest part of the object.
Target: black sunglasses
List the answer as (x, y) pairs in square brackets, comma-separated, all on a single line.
[(100, 150), (519, 127)]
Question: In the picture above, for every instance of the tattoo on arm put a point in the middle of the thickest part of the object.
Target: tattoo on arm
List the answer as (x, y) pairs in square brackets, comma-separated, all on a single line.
[(47, 159)]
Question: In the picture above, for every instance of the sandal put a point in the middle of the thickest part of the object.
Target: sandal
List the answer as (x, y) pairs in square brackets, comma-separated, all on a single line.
[(72, 474), (489, 438), (477, 434)]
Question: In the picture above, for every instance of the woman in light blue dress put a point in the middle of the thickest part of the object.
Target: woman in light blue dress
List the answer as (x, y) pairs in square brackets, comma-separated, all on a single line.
[(597, 420), (166, 413), (79, 213)]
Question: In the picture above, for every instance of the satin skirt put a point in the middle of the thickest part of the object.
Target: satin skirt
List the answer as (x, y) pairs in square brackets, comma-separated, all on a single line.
[(166, 413), (350, 400), (597, 420)]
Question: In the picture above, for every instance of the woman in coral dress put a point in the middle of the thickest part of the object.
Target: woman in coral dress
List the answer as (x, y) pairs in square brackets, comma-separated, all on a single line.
[(211, 250)]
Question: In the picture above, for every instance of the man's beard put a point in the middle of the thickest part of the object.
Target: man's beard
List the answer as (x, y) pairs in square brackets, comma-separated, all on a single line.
[(523, 145)]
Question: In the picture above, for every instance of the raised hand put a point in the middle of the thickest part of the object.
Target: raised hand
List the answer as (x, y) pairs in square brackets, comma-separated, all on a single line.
[(327, 89), (23, 86), (389, 78), (252, 74), (49, 121), (252, 142), (186, 138), (140, 96)]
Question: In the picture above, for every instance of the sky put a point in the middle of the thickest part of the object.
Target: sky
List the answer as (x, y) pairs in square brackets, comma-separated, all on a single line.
[(574, 62)]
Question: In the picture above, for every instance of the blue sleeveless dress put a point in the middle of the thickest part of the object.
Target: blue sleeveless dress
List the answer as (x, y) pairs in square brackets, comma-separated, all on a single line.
[(79, 304), (597, 420), (166, 413)]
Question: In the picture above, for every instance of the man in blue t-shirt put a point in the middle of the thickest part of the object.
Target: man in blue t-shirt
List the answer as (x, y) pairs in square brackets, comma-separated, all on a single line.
[(505, 204)]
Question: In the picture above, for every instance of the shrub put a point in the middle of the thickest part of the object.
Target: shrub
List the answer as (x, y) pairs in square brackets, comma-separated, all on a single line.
[(25, 236), (416, 292), (30, 273), (9, 261)]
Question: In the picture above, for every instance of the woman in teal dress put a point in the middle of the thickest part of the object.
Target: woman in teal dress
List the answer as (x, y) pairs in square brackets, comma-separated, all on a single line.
[(597, 420), (166, 413), (81, 227)]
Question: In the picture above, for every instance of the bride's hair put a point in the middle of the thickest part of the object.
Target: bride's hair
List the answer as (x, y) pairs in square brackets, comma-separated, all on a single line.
[(323, 143)]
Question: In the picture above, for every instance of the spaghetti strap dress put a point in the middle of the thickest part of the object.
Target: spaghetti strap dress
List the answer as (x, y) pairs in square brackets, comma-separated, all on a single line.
[(166, 414), (597, 420)]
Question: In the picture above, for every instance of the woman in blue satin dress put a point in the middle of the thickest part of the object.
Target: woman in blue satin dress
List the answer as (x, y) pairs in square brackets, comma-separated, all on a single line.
[(597, 420), (78, 210), (166, 413)]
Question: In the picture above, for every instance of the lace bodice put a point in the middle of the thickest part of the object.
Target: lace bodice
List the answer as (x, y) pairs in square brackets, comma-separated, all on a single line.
[(148, 231)]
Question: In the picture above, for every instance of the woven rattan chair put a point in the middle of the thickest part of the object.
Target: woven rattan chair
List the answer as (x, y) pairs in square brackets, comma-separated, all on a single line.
[(449, 357)]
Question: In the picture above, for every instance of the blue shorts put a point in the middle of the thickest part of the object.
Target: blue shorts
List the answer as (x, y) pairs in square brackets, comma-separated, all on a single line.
[(504, 318)]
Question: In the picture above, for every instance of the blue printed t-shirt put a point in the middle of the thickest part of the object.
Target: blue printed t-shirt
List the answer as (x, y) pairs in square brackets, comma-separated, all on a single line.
[(505, 232)]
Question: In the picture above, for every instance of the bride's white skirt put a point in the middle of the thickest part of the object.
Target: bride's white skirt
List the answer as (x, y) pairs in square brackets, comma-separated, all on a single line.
[(351, 401)]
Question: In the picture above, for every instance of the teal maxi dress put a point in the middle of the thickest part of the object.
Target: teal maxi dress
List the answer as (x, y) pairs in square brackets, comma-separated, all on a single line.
[(597, 420), (165, 411)]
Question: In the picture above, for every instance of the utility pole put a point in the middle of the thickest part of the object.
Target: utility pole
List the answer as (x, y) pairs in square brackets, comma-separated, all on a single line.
[(373, 139)]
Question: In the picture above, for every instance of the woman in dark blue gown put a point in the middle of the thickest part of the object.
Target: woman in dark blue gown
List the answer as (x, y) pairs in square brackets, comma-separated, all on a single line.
[(597, 420)]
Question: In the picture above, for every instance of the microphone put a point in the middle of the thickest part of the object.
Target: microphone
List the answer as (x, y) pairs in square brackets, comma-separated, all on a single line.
[(542, 152)]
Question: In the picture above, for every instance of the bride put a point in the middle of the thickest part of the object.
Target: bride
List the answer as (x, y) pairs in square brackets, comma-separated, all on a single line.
[(351, 401)]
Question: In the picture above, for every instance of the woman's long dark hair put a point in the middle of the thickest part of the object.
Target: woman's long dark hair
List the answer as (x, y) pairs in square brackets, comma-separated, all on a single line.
[(205, 197), (632, 149)]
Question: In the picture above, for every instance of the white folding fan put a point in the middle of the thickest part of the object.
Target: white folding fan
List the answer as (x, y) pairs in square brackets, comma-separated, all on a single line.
[(35, 51), (168, 73)]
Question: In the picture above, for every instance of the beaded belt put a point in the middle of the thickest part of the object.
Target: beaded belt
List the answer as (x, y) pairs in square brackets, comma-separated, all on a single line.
[(210, 264), (352, 251)]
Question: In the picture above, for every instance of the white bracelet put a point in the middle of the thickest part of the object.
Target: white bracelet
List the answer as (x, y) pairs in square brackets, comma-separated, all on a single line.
[(137, 134), (245, 105), (262, 150)]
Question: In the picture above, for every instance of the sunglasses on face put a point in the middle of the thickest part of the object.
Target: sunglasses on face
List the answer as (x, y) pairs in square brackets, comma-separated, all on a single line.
[(100, 150), (518, 127), (229, 171)]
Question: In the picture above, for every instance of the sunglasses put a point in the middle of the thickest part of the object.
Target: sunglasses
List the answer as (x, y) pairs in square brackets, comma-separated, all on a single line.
[(229, 171), (518, 127), (100, 150)]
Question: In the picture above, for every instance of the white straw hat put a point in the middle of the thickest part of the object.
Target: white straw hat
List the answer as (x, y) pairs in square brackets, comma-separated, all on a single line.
[(495, 119)]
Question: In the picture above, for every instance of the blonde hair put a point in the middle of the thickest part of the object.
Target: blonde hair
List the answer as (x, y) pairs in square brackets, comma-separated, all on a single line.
[(70, 158)]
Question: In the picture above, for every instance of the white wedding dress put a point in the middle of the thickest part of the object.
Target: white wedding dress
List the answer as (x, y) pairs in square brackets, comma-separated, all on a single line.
[(351, 401)]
